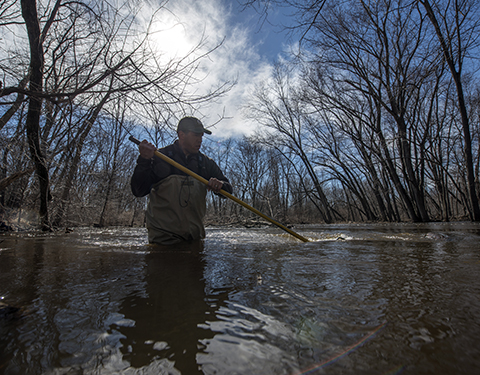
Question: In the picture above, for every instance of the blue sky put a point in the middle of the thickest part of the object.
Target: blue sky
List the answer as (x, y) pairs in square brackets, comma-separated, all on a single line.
[(270, 33)]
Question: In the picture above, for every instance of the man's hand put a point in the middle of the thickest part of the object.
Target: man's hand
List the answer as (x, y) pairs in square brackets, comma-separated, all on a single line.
[(214, 185), (147, 150)]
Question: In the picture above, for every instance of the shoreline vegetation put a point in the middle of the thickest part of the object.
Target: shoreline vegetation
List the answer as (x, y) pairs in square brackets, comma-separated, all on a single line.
[(356, 133), (246, 223)]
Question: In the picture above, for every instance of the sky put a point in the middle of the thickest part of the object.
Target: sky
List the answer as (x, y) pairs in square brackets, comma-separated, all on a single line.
[(249, 49)]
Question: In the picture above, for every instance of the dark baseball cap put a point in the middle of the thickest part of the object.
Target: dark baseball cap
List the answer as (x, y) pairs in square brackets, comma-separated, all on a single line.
[(192, 124)]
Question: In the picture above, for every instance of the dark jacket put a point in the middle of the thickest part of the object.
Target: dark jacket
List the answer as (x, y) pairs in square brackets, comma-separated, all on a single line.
[(148, 172)]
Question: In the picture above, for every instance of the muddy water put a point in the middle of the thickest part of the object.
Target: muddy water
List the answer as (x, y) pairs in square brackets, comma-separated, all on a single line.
[(357, 299)]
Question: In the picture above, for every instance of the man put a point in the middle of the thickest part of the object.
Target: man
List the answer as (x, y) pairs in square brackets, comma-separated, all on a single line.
[(177, 203)]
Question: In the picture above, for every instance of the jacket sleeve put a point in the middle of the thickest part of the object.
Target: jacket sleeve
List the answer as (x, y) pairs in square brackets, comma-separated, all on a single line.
[(213, 170), (148, 172), (143, 177)]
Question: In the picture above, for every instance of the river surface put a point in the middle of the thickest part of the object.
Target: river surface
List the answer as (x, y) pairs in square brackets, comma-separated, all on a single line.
[(356, 299)]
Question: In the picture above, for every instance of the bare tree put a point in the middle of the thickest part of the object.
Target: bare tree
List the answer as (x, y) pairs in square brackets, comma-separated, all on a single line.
[(382, 52), (112, 143), (70, 165), (456, 26), (83, 55), (277, 107), (36, 38)]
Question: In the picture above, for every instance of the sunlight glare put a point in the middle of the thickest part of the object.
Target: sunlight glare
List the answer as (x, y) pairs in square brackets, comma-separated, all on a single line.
[(170, 37)]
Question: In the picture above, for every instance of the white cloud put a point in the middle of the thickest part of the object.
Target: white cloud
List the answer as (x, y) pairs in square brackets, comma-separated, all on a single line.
[(180, 26)]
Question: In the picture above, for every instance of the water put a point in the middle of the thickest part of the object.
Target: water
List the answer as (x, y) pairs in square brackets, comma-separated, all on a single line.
[(357, 299)]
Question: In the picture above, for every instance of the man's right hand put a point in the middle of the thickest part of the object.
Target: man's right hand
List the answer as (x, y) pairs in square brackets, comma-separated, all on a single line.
[(146, 149)]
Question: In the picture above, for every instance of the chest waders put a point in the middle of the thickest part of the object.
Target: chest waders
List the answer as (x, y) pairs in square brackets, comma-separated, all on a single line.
[(175, 210)]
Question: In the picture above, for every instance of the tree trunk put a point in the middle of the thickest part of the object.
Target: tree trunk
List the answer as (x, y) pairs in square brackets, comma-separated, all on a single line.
[(412, 182), (29, 13), (396, 179)]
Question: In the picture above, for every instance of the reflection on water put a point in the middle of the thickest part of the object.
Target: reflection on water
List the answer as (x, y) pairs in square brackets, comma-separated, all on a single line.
[(163, 323), (357, 299)]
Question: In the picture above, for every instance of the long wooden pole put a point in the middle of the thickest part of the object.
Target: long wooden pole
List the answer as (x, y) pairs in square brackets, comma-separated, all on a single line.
[(223, 192)]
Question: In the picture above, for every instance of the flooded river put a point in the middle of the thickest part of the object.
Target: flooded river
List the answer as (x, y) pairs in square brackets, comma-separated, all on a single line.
[(357, 299)]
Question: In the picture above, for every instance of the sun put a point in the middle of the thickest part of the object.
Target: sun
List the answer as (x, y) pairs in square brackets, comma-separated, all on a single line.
[(170, 37)]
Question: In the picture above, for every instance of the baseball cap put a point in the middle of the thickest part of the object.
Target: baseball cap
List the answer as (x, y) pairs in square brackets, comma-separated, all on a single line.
[(192, 124)]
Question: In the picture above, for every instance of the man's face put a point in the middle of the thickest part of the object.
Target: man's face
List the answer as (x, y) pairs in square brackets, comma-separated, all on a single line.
[(190, 142)]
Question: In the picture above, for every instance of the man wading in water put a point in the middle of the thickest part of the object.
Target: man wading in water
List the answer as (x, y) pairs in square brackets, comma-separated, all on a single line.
[(177, 203)]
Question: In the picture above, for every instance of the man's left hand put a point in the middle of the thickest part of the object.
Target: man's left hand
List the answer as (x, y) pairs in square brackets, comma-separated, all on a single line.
[(214, 185)]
